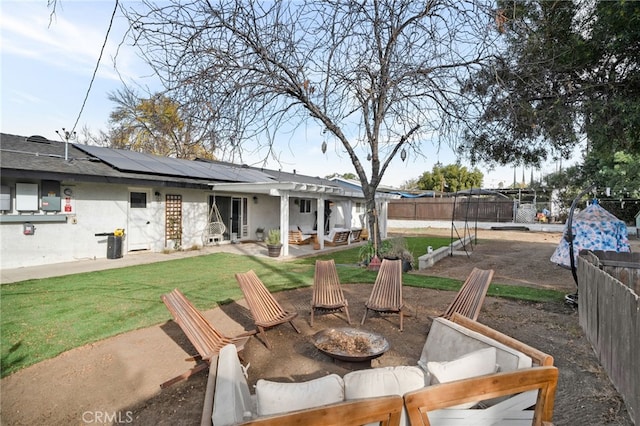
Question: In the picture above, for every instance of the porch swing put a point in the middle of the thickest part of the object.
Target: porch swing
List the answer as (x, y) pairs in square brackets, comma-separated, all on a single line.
[(214, 232)]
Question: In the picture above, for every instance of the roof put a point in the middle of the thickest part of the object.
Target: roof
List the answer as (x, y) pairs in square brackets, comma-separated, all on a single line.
[(425, 194), (479, 191), (37, 157), (275, 175), (355, 186), (40, 158), (139, 162)]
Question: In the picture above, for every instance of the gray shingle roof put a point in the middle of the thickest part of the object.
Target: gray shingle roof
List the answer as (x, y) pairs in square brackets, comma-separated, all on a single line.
[(38, 157)]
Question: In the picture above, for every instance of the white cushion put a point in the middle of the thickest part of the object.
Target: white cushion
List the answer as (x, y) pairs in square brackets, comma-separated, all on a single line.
[(329, 237), (382, 382), (477, 363), (448, 340), (275, 398), (232, 403), (474, 364)]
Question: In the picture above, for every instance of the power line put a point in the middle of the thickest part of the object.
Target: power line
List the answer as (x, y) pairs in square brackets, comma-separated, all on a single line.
[(95, 71)]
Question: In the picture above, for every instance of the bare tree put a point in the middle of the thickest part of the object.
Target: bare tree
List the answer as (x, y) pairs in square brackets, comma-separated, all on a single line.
[(380, 76)]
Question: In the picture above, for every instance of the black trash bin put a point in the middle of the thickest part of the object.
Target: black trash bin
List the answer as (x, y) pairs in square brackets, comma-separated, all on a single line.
[(114, 247)]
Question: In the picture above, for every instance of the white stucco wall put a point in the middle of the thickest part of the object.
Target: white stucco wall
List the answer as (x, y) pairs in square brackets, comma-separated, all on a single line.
[(99, 208), (102, 208), (264, 214), (194, 217)]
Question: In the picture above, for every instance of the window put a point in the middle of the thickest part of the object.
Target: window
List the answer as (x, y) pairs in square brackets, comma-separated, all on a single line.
[(305, 206), (358, 207), (138, 200)]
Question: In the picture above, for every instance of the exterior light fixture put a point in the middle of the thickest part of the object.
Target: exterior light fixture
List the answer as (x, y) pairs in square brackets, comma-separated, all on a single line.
[(403, 154), (368, 157)]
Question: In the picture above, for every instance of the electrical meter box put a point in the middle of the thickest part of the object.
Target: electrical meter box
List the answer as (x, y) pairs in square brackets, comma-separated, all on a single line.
[(28, 228), (5, 198), (51, 204)]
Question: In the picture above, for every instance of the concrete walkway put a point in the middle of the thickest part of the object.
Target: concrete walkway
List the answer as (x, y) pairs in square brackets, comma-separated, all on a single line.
[(143, 257), (131, 259)]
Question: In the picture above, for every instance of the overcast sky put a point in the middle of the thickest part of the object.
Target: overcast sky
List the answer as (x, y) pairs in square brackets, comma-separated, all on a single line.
[(47, 65)]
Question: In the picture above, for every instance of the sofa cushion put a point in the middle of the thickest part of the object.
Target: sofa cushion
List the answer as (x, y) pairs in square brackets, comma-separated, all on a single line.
[(477, 363), (232, 402), (330, 236), (447, 341), (276, 398), (382, 382)]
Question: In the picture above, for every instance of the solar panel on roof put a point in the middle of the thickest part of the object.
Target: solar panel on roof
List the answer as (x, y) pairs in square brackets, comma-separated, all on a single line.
[(132, 161), (113, 158)]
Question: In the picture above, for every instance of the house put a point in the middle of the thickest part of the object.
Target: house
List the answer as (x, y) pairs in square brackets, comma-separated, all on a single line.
[(61, 202)]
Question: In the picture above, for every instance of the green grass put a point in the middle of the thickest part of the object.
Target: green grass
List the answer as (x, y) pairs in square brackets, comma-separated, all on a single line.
[(43, 318)]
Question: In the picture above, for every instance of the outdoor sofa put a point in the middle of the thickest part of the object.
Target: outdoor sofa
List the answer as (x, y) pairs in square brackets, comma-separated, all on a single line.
[(455, 350), (337, 237)]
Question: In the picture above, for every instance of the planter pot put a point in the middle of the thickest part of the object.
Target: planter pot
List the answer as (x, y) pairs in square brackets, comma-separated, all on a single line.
[(274, 251), (406, 264)]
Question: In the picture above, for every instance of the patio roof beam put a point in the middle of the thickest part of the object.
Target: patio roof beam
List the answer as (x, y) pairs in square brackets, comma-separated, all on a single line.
[(275, 188)]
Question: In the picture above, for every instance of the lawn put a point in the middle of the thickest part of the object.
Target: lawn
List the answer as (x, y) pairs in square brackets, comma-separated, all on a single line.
[(43, 318)]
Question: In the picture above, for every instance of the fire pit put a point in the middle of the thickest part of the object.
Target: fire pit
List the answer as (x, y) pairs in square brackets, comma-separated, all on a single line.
[(350, 344)]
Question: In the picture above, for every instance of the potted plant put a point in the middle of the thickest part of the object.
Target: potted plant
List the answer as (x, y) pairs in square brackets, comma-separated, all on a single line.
[(273, 242), (260, 234), (366, 253), (396, 248)]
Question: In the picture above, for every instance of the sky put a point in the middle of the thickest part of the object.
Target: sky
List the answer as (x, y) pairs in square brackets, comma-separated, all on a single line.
[(47, 64)]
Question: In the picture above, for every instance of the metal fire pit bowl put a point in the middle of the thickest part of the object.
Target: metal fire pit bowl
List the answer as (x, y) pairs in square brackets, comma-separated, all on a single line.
[(332, 341)]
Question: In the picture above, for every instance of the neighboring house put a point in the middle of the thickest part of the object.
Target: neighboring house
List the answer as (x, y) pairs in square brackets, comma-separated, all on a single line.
[(58, 201)]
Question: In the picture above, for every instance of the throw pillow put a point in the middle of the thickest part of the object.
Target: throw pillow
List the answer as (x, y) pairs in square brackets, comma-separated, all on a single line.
[(477, 363)]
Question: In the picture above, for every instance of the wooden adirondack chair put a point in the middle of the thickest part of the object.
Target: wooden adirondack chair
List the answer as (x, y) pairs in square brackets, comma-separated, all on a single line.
[(265, 309), (298, 238), (422, 404), (470, 297), (201, 333), (327, 293), (386, 295)]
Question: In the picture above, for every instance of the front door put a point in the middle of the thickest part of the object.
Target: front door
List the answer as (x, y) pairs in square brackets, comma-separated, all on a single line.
[(139, 226)]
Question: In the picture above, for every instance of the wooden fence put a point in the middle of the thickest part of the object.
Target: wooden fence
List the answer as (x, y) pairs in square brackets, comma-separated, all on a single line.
[(609, 311), (465, 208)]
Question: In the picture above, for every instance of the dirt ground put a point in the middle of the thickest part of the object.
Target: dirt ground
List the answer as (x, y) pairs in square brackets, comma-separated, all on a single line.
[(116, 381)]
